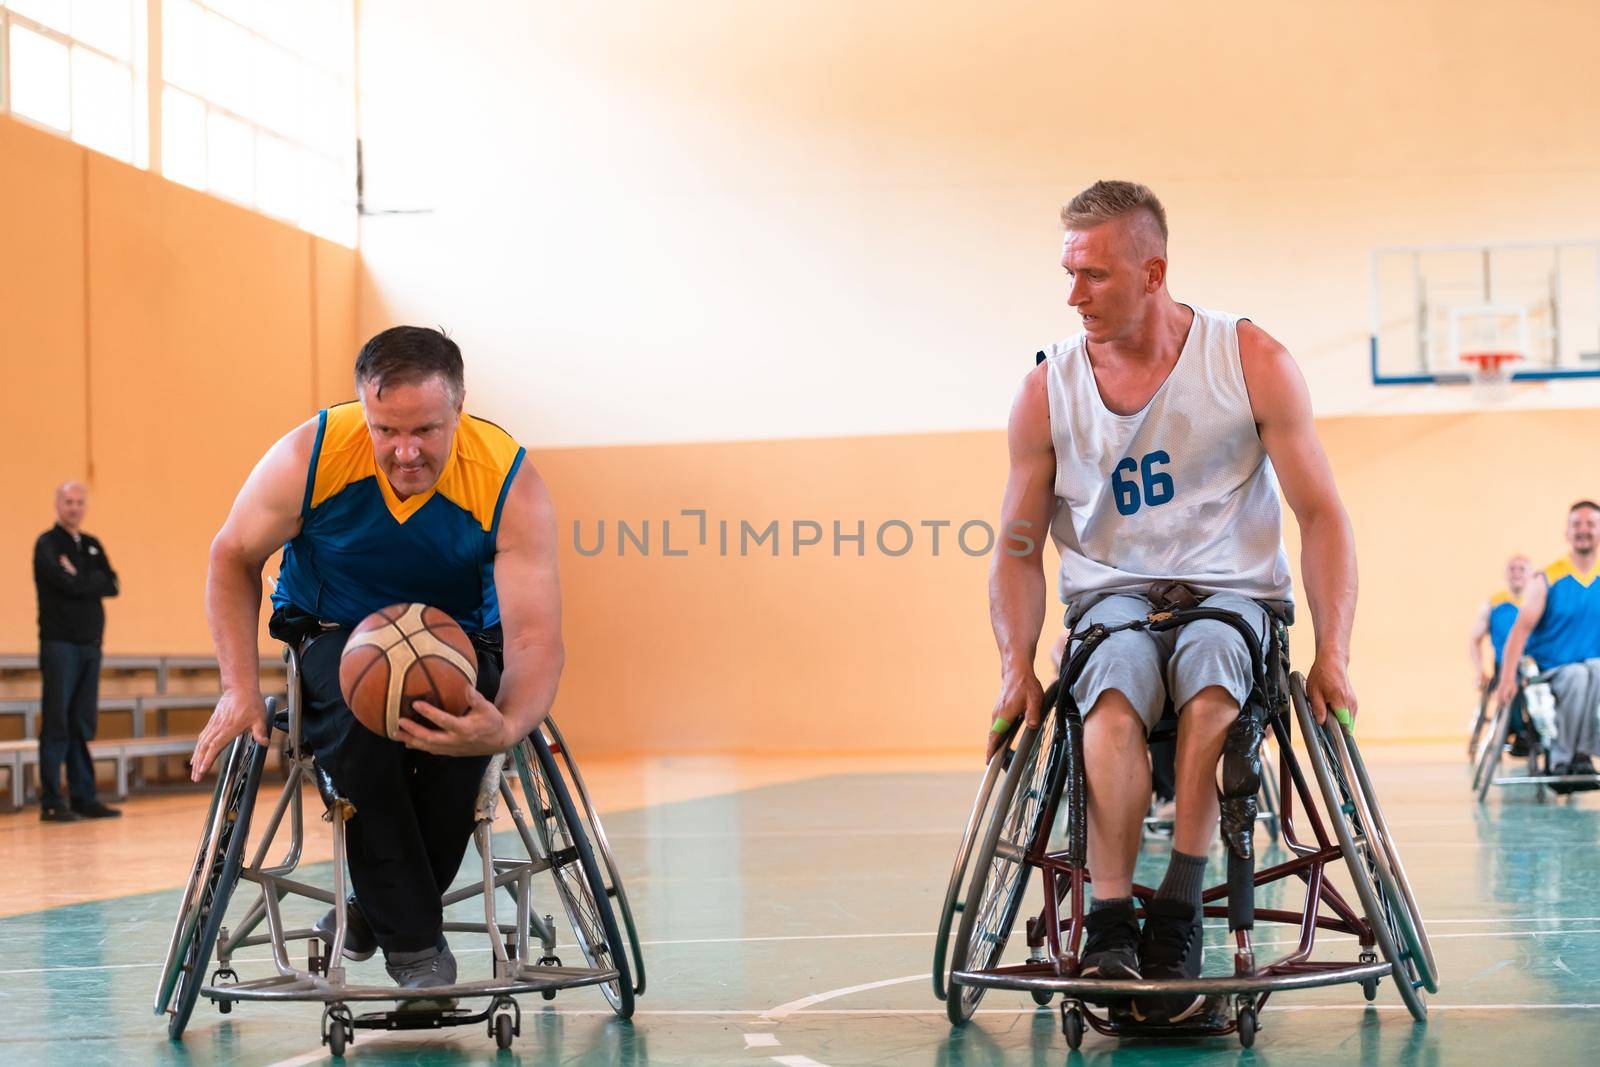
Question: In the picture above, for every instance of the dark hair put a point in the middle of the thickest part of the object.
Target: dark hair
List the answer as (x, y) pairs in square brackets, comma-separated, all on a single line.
[(1584, 504), (407, 355)]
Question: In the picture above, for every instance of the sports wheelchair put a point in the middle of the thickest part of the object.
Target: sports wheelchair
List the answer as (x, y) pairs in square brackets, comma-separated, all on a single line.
[(1492, 733), (552, 834), (1037, 784)]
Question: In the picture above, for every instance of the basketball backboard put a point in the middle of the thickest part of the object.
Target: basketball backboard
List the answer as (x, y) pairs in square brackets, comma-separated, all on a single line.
[(1432, 305)]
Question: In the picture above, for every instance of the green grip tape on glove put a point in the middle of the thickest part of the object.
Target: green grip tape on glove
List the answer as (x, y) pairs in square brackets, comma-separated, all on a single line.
[(1344, 716), (1000, 725)]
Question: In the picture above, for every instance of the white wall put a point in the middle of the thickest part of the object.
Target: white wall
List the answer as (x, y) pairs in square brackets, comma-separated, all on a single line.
[(692, 220)]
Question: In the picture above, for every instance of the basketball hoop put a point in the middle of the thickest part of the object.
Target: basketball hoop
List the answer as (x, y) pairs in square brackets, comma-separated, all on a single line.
[(1491, 372)]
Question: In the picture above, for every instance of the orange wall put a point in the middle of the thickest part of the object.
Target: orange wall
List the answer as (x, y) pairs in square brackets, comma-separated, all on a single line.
[(153, 341)]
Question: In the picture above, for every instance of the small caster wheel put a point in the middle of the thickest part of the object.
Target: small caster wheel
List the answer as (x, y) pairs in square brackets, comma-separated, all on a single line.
[(1369, 989), (225, 1007), (502, 1031), (1072, 1026), (1041, 997), (337, 1038), (548, 994), (1247, 1027)]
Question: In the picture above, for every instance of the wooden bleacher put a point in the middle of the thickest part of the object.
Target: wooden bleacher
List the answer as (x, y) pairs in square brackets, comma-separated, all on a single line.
[(142, 714)]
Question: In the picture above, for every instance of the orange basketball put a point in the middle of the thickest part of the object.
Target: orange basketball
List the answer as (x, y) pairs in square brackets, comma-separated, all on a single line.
[(403, 653)]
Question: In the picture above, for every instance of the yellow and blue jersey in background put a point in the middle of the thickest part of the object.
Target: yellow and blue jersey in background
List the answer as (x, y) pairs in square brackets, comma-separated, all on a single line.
[(1569, 630), (361, 548), (1502, 616)]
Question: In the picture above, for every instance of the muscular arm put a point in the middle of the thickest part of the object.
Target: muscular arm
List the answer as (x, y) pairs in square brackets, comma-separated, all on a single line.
[(529, 589), (265, 514), (1530, 609), (1281, 405), (1016, 576)]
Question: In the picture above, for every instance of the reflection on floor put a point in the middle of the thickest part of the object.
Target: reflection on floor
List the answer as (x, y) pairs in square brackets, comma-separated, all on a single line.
[(787, 907)]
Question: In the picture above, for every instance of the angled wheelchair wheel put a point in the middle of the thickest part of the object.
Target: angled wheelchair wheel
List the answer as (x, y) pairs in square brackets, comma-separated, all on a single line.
[(572, 863), (1491, 748), (1396, 928), (211, 883), (610, 875), (955, 891), (1485, 709), (999, 869)]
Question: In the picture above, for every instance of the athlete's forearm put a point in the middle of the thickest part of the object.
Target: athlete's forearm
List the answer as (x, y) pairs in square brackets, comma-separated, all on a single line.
[(233, 612), (1016, 610), (528, 685), (1516, 641), (1328, 563), (1475, 653)]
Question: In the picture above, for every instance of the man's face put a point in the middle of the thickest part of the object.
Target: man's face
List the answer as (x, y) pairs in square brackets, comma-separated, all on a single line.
[(71, 502), (1516, 574), (1108, 278), (1583, 525), (412, 426)]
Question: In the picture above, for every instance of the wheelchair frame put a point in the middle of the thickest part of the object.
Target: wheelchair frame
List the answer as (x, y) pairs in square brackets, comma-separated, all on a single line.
[(552, 833), (1486, 753), (1042, 770)]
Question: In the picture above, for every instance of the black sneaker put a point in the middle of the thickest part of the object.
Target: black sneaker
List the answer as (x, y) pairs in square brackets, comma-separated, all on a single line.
[(96, 810), (1581, 765), (1170, 947), (59, 815), (1111, 947), (429, 969), (1519, 745), (359, 940)]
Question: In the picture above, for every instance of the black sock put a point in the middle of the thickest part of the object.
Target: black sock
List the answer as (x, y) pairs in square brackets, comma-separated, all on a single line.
[(1185, 879), (1097, 903)]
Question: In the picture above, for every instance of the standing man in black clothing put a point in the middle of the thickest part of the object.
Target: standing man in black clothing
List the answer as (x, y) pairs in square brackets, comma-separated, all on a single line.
[(73, 575)]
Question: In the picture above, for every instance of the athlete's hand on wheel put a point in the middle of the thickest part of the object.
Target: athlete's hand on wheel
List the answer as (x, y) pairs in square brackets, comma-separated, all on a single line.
[(1506, 690), (1328, 687), (237, 711), (482, 731), (1020, 698)]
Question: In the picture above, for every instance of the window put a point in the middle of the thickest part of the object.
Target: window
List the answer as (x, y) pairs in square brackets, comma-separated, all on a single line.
[(253, 100), (77, 66), (258, 105)]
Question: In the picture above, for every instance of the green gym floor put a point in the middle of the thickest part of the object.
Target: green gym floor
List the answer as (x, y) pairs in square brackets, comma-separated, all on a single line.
[(792, 924)]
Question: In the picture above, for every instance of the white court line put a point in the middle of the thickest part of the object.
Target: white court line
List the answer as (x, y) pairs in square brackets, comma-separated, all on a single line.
[(876, 936), (797, 1061), (783, 1011), (760, 1040)]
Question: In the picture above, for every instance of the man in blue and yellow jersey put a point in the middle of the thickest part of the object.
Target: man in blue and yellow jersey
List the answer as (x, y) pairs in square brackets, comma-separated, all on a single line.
[(398, 497), (1495, 619), (1558, 625)]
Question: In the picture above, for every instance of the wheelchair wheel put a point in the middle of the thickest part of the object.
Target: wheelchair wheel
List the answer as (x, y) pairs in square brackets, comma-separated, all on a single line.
[(1478, 723), (955, 891), (1000, 874), (216, 872), (609, 873), (1395, 927), (1492, 747), (572, 864)]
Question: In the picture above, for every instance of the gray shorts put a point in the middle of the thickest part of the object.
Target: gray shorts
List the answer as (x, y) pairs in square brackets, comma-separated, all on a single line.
[(1576, 688), (1148, 667)]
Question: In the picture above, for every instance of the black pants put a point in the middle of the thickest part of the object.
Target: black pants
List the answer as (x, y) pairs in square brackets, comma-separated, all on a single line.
[(414, 810), (69, 711)]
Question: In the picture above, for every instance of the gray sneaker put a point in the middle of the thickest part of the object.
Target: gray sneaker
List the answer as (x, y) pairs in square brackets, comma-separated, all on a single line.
[(425, 969), (359, 940)]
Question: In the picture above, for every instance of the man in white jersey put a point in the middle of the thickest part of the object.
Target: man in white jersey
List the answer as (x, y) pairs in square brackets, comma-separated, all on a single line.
[(1148, 445)]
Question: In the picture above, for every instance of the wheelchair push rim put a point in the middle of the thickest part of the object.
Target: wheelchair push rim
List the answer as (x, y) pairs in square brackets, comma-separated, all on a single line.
[(583, 895), (1000, 878), (1346, 809), (954, 894), (1492, 752), (232, 819), (611, 875)]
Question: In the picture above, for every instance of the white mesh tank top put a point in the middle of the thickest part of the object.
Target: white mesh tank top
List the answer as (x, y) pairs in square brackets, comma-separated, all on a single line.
[(1179, 491)]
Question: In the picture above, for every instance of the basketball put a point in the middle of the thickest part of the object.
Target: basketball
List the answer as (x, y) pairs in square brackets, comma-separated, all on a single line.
[(404, 653)]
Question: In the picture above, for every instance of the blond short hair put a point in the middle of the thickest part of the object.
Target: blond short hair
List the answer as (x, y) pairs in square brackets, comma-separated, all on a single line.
[(1106, 200)]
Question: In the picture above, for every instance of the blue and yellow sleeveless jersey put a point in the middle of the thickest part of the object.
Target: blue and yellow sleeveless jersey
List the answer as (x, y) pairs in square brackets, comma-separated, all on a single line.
[(1502, 616), (1569, 630), (361, 548)]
